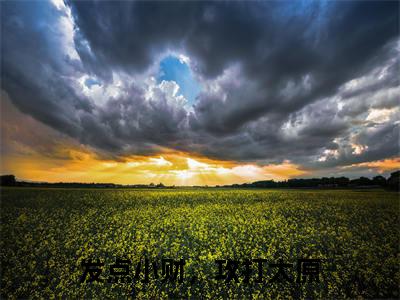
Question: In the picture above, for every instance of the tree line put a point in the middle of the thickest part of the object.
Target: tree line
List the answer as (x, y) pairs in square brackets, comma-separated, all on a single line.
[(392, 182)]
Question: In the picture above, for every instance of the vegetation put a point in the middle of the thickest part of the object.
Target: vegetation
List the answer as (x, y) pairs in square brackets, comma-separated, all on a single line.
[(393, 183), (48, 233)]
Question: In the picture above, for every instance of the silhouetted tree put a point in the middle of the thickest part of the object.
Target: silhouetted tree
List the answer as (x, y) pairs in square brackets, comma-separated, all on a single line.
[(394, 181), (362, 181), (7, 180), (379, 180), (342, 181)]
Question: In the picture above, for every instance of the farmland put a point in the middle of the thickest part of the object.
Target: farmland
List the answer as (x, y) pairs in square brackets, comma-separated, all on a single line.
[(46, 234)]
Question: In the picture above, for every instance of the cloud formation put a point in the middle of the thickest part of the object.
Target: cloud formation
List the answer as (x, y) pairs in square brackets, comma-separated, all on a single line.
[(312, 82)]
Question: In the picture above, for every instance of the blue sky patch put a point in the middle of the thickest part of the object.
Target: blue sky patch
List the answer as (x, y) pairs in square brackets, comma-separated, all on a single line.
[(171, 68), (89, 82)]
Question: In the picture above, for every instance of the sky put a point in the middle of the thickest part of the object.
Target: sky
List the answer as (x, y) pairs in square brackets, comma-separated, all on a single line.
[(199, 93)]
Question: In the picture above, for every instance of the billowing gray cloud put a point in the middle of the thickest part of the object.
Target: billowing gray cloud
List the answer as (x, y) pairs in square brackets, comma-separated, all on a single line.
[(312, 82)]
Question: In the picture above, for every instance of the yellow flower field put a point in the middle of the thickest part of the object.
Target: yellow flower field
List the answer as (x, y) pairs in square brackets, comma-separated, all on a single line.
[(46, 235)]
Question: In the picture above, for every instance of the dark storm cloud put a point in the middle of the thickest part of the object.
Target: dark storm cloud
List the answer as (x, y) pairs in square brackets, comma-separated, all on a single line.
[(274, 42), (33, 69), (273, 76)]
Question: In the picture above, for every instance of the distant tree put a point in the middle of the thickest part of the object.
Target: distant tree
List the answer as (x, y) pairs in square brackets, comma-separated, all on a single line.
[(365, 181), (264, 184), (7, 180), (325, 181), (342, 181), (160, 185), (394, 181), (362, 181), (379, 180)]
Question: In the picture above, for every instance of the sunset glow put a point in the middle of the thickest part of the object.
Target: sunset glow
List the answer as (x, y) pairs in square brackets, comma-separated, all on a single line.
[(170, 169)]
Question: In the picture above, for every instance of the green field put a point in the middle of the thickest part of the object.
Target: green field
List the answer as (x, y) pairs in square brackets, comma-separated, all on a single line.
[(47, 233)]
